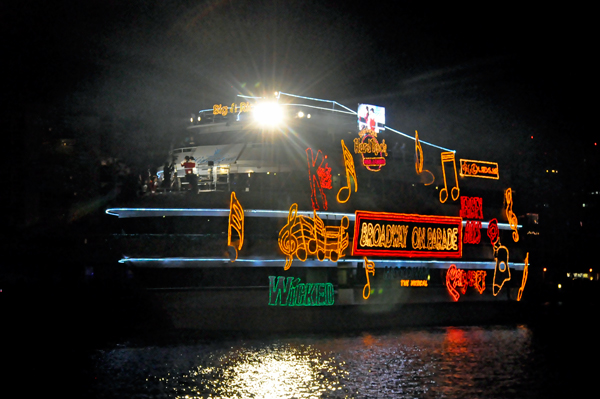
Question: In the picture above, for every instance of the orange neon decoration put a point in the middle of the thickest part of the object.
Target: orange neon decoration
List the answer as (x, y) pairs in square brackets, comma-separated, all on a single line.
[(367, 143), (303, 236), (449, 157), (481, 169), (236, 222), (419, 159), (501, 270), (319, 178), (219, 109), (457, 280), (350, 174), (524, 281), (369, 269), (512, 218)]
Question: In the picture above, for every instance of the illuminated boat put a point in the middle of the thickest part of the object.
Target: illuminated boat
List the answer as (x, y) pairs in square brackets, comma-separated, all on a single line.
[(326, 220)]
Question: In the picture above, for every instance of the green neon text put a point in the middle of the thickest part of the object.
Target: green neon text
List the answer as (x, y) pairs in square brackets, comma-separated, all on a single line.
[(290, 292)]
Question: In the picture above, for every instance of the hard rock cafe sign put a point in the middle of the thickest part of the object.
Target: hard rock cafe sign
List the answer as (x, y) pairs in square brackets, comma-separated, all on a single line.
[(373, 153)]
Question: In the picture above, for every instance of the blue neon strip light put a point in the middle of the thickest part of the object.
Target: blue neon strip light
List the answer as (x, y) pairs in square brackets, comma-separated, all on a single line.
[(265, 213), (352, 262)]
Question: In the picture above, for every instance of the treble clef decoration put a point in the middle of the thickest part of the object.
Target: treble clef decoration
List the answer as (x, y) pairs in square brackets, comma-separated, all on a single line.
[(287, 242), (512, 218)]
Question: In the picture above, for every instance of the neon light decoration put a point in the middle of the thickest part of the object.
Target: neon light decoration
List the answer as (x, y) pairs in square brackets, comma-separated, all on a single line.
[(398, 234), (291, 292), (492, 231), (350, 174), (319, 178), (219, 109), (457, 280), (471, 207), (303, 236), (472, 232), (449, 157), (369, 269), (502, 270), (419, 159), (512, 218), (524, 281), (236, 222), (368, 144), (481, 169)]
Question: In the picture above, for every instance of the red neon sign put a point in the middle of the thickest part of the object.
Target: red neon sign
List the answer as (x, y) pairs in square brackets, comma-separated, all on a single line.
[(398, 234), (319, 178), (457, 280)]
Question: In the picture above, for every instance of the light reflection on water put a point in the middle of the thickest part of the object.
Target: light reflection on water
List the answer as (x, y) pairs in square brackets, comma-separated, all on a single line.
[(468, 362)]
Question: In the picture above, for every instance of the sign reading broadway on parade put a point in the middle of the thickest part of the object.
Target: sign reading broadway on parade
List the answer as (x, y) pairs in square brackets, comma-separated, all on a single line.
[(404, 235)]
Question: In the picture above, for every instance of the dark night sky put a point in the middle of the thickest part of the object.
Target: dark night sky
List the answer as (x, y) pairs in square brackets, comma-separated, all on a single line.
[(465, 78)]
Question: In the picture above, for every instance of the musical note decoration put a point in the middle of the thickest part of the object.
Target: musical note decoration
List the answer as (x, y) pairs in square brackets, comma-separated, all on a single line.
[(319, 178), (369, 269), (236, 223), (510, 216), (419, 159), (524, 281), (302, 236), (448, 156), (350, 174)]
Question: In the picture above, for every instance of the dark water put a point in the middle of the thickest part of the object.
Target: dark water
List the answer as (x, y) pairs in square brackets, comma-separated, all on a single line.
[(515, 361)]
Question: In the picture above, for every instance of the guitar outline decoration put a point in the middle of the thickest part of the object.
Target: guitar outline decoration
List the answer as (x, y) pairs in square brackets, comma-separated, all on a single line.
[(502, 269), (448, 156)]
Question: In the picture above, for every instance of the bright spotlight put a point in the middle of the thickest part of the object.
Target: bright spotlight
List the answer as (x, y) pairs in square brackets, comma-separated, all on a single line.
[(268, 113), (300, 114)]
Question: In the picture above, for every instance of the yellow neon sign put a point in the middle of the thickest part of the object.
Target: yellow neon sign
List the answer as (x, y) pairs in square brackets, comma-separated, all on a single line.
[(481, 169), (524, 281), (219, 109), (350, 174), (236, 222), (369, 269), (512, 218), (303, 236), (448, 156), (419, 159)]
